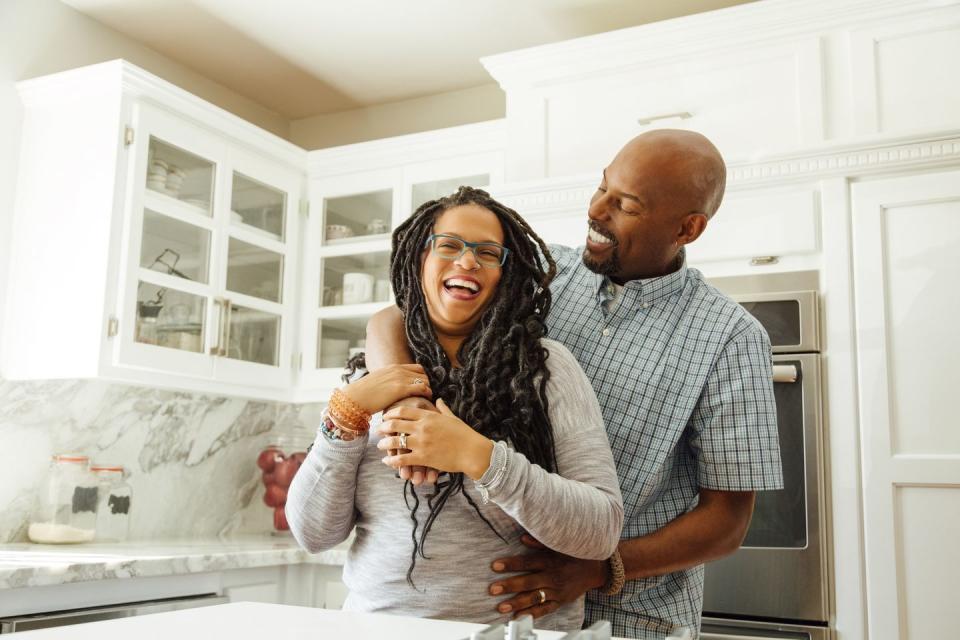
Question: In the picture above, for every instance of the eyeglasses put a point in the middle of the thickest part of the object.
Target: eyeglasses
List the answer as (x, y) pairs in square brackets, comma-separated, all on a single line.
[(488, 254)]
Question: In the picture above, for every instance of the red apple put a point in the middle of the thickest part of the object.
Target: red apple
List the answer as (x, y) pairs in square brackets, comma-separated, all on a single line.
[(284, 472), (268, 458), (280, 519), (275, 496), (268, 478)]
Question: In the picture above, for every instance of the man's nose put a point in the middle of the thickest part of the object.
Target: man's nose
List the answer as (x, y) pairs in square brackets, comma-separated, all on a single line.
[(599, 207)]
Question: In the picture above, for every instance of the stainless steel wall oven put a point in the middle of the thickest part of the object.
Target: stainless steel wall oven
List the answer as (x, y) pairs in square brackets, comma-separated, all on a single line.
[(778, 584)]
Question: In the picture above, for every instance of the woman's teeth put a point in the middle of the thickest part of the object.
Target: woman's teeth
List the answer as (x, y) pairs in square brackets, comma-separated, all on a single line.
[(463, 284), (596, 237)]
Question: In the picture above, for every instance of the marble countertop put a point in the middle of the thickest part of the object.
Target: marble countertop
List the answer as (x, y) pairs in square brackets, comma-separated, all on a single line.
[(29, 565), (255, 621)]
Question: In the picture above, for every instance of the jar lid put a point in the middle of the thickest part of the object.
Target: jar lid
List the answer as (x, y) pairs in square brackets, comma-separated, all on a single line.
[(106, 467), (71, 457)]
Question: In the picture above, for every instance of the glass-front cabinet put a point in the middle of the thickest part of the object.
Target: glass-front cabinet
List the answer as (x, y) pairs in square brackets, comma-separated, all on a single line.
[(347, 276), (213, 265)]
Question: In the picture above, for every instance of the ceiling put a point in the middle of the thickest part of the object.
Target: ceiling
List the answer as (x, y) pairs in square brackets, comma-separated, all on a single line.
[(301, 58)]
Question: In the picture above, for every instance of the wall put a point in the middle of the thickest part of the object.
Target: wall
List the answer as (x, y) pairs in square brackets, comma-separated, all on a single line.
[(190, 457), (477, 104)]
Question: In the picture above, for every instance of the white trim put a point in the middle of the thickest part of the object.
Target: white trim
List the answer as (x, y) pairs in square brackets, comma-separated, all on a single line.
[(394, 152), (137, 83), (875, 154), (705, 34)]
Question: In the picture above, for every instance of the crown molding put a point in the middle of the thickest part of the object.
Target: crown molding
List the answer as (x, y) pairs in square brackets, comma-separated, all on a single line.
[(870, 156), (121, 78), (481, 137), (757, 24)]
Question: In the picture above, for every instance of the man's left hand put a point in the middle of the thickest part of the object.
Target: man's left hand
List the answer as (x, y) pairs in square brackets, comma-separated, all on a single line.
[(562, 579)]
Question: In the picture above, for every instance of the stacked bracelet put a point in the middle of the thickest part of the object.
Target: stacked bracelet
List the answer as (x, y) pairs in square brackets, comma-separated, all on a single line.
[(347, 414), (617, 575), (334, 431)]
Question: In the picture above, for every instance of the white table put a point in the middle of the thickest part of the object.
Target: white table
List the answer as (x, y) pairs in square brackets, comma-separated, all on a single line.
[(256, 621)]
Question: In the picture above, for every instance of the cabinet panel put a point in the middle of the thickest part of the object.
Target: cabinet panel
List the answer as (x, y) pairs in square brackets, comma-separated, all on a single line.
[(748, 225), (767, 101), (903, 73), (904, 276)]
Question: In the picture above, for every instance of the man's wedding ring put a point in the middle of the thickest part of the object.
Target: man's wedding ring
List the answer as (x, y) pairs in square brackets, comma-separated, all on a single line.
[(403, 441), (543, 596), (418, 381)]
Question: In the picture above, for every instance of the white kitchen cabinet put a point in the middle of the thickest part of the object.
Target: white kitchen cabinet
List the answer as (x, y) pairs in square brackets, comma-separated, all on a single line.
[(905, 239), (358, 194), (155, 239)]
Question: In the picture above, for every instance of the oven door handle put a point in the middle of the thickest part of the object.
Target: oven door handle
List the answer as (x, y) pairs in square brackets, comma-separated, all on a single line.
[(784, 373)]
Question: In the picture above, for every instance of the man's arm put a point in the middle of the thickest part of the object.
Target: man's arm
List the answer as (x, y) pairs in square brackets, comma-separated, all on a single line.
[(387, 340), (711, 530), (387, 344)]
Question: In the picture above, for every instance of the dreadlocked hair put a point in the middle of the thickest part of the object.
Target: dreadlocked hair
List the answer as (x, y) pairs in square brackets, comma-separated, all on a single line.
[(500, 389)]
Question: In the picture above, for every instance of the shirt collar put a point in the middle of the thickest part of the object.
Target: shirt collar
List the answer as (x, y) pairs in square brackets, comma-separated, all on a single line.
[(647, 290)]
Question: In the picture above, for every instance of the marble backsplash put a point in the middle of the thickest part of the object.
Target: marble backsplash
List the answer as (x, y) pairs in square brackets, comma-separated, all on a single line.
[(190, 458)]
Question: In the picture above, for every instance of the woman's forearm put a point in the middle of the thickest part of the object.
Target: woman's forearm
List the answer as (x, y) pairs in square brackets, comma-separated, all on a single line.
[(320, 502)]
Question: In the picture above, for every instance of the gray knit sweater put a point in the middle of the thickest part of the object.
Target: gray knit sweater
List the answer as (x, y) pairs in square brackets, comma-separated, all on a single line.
[(577, 511)]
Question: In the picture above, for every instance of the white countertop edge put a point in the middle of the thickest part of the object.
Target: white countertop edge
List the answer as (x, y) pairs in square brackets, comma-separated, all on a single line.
[(31, 565)]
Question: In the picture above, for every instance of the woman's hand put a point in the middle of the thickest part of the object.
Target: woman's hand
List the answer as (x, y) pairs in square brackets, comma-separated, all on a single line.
[(439, 440), (378, 390)]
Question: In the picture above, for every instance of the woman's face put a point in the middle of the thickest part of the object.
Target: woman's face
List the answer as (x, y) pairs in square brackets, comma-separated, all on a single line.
[(458, 291)]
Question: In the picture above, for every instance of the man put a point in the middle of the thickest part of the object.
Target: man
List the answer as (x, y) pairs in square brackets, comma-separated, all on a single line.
[(683, 376)]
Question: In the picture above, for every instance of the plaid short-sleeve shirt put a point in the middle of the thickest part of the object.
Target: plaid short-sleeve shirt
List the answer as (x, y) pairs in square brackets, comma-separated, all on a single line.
[(683, 376)]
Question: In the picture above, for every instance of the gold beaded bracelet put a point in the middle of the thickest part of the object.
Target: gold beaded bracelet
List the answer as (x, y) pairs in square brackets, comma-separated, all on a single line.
[(348, 413)]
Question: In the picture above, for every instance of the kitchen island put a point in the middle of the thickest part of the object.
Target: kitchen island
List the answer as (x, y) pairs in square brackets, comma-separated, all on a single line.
[(43, 579), (256, 621)]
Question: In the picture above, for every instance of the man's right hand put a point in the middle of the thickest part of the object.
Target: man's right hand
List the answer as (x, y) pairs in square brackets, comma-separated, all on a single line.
[(417, 475)]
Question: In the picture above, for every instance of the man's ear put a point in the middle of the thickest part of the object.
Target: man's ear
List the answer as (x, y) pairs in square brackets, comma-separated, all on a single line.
[(691, 227)]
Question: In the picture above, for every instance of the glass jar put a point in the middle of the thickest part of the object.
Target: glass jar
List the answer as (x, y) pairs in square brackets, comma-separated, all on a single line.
[(113, 510), (66, 510), (278, 461)]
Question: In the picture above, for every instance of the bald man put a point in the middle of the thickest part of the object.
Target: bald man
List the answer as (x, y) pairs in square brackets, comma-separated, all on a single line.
[(683, 376)]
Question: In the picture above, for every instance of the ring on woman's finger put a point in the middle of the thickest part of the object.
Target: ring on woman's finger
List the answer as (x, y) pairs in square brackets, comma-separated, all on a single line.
[(543, 596), (403, 441), (418, 381)]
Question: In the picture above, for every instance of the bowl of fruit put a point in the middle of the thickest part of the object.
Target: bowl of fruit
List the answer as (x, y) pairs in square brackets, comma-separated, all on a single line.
[(279, 462)]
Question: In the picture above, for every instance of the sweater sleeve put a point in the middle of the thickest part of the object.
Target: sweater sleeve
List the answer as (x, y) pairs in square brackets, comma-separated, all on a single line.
[(320, 502), (577, 511)]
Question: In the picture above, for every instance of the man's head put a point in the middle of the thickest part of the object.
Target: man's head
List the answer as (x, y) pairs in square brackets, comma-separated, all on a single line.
[(655, 197)]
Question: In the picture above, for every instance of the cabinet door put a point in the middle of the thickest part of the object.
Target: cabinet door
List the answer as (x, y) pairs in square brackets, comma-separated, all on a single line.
[(906, 239), (257, 235), (437, 178), (346, 270), (167, 313)]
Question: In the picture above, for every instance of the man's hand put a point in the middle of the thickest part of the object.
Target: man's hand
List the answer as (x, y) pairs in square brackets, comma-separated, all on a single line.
[(562, 578), (417, 475)]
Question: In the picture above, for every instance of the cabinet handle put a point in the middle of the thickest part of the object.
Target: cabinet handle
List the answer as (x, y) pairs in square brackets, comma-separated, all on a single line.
[(762, 261), (218, 349), (226, 331), (682, 115)]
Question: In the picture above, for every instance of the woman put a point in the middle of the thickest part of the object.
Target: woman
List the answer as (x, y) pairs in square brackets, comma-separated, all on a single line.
[(519, 437)]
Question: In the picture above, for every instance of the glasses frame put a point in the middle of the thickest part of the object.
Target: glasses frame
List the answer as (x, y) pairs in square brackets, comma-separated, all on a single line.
[(431, 240)]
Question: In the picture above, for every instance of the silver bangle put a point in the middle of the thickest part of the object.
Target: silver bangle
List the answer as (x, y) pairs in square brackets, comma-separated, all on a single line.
[(499, 464)]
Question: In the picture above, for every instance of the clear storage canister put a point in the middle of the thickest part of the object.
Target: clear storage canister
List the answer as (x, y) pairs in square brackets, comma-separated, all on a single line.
[(66, 511), (113, 510)]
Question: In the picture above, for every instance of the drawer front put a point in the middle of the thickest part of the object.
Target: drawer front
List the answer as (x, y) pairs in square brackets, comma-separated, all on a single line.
[(749, 225), (749, 104)]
